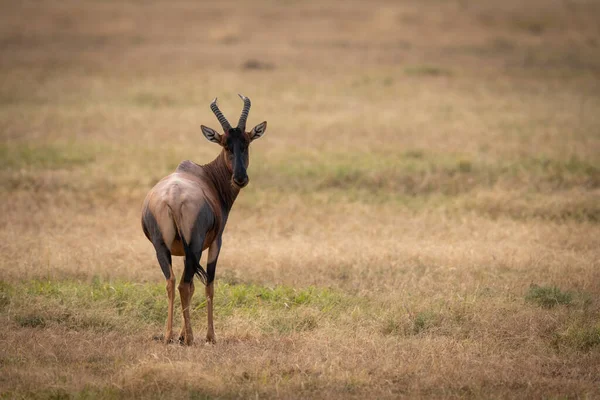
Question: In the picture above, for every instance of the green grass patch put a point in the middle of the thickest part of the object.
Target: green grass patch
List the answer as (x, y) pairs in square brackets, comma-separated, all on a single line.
[(249, 298), (44, 156), (560, 173), (424, 321), (581, 207), (410, 173), (418, 323), (548, 296), (417, 173), (290, 322), (97, 306), (580, 335), (582, 338), (105, 306)]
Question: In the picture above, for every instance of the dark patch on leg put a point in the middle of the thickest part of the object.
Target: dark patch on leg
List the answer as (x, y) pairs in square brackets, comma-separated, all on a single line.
[(211, 270), (152, 231), (150, 226), (163, 254)]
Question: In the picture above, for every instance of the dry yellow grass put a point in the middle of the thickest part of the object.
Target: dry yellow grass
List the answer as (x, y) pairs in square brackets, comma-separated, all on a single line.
[(422, 218)]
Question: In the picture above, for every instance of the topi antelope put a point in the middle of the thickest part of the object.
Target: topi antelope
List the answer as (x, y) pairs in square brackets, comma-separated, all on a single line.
[(186, 212)]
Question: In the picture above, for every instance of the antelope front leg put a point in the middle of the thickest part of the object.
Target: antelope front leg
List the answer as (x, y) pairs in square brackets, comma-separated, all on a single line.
[(210, 331), (185, 292), (185, 325), (213, 256)]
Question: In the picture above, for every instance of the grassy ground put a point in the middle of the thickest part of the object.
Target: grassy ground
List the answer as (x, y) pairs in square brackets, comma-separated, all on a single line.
[(422, 218)]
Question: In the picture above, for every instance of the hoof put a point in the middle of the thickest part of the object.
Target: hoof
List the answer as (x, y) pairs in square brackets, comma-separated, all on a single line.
[(184, 342), (161, 338), (211, 340)]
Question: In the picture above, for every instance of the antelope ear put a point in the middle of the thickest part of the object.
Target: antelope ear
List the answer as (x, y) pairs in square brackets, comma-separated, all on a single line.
[(211, 134), (258, 131)]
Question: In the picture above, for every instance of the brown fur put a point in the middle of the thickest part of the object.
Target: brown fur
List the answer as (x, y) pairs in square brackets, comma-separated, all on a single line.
[(176, 200)]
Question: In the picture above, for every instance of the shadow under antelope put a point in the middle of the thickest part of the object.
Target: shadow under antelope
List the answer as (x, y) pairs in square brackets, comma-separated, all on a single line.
[(186, 212)]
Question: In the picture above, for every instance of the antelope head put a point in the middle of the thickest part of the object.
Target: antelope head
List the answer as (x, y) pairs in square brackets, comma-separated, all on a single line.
[(235, 141)]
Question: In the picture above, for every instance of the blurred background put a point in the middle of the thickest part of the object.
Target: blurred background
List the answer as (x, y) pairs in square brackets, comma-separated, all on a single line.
[(416, 151)]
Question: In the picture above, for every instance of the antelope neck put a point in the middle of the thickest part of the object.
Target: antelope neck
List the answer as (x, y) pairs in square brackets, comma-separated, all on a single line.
[(220, 176)]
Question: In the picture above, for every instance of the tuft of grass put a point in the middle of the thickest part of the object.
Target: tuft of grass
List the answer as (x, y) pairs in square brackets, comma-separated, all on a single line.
[(4, 295), (533, 25), (254, 64), (30, 321), (153, 100), (291, 322), (423, 321), (584, 338), (465, 166), (198, 395), (579, 336), (415, 324), (414, 153), (393, 326), (548, 296), (426, 70)]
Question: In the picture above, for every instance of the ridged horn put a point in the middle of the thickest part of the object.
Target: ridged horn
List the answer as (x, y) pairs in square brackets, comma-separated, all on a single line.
[(215, 109), (245, 111)]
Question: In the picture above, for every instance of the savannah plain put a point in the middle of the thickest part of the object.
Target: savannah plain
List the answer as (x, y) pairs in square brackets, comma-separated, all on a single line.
[(422, 218)]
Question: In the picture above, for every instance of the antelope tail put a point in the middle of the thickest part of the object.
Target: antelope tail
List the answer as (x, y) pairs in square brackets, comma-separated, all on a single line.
[(192, 264)]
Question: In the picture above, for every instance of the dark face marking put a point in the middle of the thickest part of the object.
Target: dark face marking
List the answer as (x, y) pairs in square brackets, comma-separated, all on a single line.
[(236, 147)]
